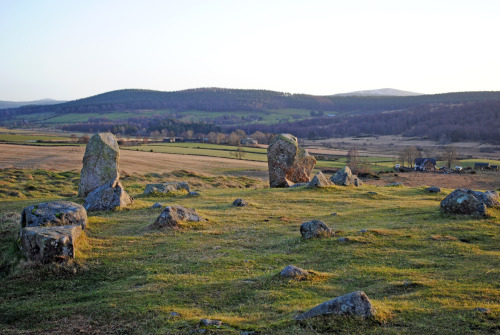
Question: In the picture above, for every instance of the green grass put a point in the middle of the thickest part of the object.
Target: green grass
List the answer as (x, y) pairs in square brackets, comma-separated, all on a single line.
[(129, 280)]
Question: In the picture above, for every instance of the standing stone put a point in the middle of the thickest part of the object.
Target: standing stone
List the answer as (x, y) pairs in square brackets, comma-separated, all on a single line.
[(355, 303), (56, 213), (172, 216), (315, 228), (345, 177), (100, 163), (107, 197), (287, 163), (50, 244), (319, 180)]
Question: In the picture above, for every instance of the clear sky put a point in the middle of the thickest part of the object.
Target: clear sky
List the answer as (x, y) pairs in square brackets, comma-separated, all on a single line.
[(65, 49)]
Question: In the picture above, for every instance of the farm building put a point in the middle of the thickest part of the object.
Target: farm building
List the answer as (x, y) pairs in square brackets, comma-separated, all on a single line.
[(425, 164), (481, 166), (249, 141)]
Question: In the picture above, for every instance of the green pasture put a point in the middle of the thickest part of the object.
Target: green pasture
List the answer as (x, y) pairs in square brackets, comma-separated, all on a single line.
[(425, 272)]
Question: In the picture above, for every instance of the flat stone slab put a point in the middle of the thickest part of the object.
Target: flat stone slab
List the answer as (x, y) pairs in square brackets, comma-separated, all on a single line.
[(55, 213), (354, 304), (166, 187), (50, 244)]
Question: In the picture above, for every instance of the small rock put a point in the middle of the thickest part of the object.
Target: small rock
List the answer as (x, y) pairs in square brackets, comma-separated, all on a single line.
[(157, 205), (193, 194), (433, 189), (240, 203), (395, 185), (315, 228), (371, 192), (362, 231), (355, 303), (167, 187), (333, 214), (319, 180), (300, 185), (291, 271), (343, 239), (209, 322), (482, 310), (172, 216), (174, 314)]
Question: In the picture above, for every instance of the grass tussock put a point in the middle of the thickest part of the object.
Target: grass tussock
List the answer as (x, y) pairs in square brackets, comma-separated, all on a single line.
[(424, 272)]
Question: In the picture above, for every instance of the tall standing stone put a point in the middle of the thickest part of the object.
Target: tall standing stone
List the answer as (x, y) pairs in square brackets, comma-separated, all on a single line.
[(287, 163), (100, 163)]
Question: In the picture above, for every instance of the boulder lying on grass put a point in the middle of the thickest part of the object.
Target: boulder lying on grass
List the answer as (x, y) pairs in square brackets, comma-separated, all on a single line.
[(50, 244), (352, 304), (100, 163), (469, 202), (240, 203), (172, 216), (108, 197), (344, 177), (433, 189), (315, 228), (319, 180), (293, 272), (55, 213), (167, 187)]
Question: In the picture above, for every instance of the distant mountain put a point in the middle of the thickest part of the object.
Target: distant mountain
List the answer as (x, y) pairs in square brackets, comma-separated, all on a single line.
[(42, 102), (381, 92)]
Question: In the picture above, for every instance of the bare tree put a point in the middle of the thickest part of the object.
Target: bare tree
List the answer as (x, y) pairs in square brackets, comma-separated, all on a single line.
[(353, 159), (408, 155), (449, 155), (239, 153)]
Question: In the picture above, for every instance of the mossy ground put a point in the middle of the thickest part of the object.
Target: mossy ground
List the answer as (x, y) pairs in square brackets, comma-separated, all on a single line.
[(129, 280)]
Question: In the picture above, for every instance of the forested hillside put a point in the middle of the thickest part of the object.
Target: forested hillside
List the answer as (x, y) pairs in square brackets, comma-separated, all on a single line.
[(471, 121)]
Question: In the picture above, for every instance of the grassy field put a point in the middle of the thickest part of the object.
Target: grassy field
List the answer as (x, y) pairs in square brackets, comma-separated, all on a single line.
[(425, 272)]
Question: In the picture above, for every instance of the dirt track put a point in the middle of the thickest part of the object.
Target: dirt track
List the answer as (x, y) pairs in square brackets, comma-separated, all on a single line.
[(70, 158)]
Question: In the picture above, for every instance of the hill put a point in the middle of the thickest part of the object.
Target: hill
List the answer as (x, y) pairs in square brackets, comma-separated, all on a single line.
[(380, 92), (16, 104)]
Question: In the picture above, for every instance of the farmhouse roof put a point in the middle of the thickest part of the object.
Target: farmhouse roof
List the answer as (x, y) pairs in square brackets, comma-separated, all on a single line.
[(421, 161)]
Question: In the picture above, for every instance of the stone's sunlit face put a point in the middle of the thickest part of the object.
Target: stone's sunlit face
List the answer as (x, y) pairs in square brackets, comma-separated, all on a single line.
[(321, 47)]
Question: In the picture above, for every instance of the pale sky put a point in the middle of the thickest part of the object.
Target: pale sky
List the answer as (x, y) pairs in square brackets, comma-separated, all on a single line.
[(65, 49)]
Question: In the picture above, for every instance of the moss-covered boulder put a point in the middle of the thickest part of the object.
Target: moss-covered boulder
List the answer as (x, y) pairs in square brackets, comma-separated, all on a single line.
[(100, 163), (55, 213)]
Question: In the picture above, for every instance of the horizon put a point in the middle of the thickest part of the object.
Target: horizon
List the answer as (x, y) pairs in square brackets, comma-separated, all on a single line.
[(69, 51)]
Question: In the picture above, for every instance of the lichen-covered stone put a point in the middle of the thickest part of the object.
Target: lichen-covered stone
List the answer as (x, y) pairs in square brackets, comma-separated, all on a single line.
[(167, 187), (315, 228), (293, 272), (172, 216), (107, 197), (319, 180), (240, 203), (287, 163), (100, 163), (50, 244), (468, 202), (352, 304), (433, 189), (344, 177), (55, 213)]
